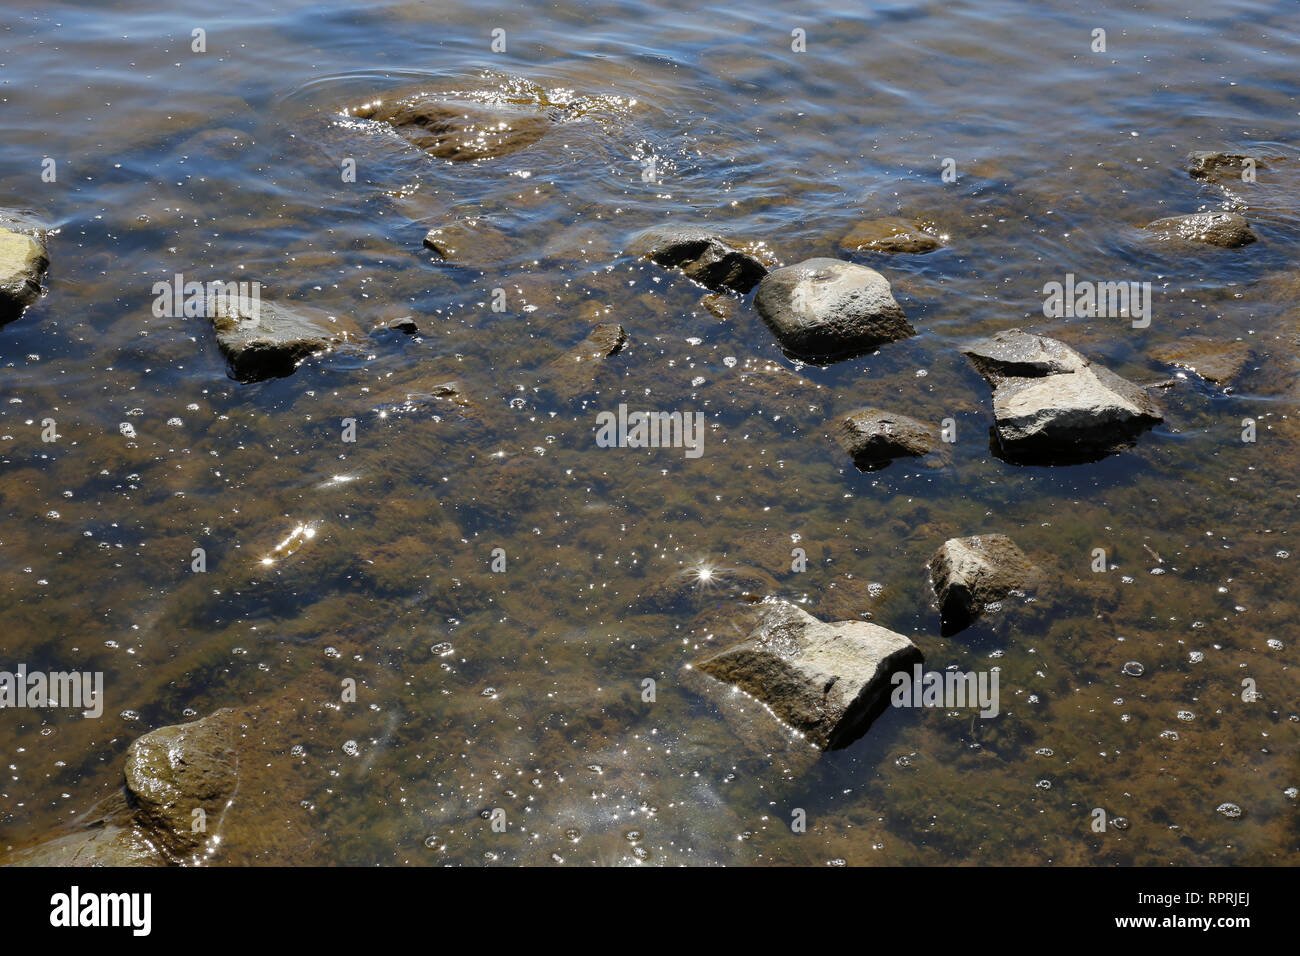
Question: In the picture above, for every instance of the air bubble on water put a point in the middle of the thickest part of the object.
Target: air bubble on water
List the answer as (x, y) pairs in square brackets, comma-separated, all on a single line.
[(641, 853), (1274, 643), (175, 422), (1291, 793), (573, 834), (488, 692), (126, 429), (838, 861), (333, 652), (1045, 752), (1044, 785), (729, 361), (433, 842), (1119, 823), (1186, 716), (1284, 554), (1168, 735), (442, 649), (1133, 669), (129, 715), (632, 836), (697, 381), (350, 748), (1196, 656), (1229, 810), (556, 858)]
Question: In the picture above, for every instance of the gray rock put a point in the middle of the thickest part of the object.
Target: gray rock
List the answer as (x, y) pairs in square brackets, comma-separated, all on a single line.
[(826, 309), (1052, 406), (405, 324), (271, 340), (873, 438), (1206, 164), (709, 259), (1225, 229), (892, 236), (969, 573), (828, 681), (173, 771), (23, 261), (460, 130)]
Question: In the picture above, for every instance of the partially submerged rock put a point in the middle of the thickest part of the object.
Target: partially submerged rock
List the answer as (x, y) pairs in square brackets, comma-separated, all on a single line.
[(268, 340), (1207, 164), (181, 778), (828, 681), (826, 309), (1216, 362), (1052, 406), (575, 373), (471, 240), (893, 236), (680, 589), (969, 573), (709, 259), (23, 261), (873, 438), (459, 130), (1225, 229)]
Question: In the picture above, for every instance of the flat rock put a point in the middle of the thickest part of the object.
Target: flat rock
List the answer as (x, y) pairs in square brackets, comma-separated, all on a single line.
[(23, 261), (575, 373), (1225, 229), (471, 240), (969, 573), (271, 340), (457, 130), (826, 309), (1207, 164), (1051, 406), (173, 771), (1216, 362), (827, 681), (873, 438), (892, 236), (709, 259)]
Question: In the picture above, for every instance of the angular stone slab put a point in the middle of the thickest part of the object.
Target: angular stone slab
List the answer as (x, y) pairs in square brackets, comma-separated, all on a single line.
[(827, 681), (709, 259), (969, 573), (1225, 229), (891, 236), (459, 131), (272, 342), (822, 310)]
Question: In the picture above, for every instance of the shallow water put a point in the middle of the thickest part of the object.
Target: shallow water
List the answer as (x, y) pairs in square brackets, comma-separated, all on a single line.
[(523, 690)]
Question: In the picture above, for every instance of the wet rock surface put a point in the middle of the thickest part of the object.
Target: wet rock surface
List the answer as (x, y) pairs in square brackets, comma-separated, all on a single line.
[(873, 438), (969, 573), (1052, 406), (172, 772), (23, 261), (469, 241), (577, 373), (709, 259), (892, 236), (457, 130), (827, 309), (270, 340), (1209, 164), (828, 681), (1217, 362), (1227, 230)]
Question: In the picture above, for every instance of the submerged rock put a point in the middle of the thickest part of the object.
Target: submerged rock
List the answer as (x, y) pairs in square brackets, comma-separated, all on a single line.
[(826, 309), (969, 573), (23, 261), (468, 241), (1052, 406), (1225, 229), (459, 130), (1206, 164), (268, 340), (575, 373), (828, 681), (873, 438), (706, 581), (172, 772), (709, 259), (893, 236), (1216, 362)]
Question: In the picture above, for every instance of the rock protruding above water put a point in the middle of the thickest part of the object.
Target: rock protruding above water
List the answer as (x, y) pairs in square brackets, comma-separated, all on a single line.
[(828, 681), (1225, 229), (173, 771), (969, 573), (459, 130), (709, 259), (827, 309), (873, 438), (893, 236), (23, 261), (1207, 164), (269, 340), (1052, 406)]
